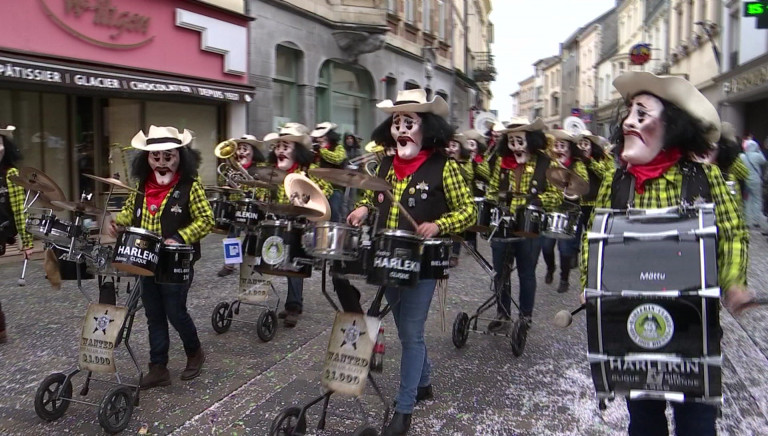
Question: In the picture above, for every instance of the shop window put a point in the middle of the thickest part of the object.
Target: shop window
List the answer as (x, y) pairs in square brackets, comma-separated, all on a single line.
[(441, 19), (391, 88), (426, 14), (410, 13), (285, 85), (410, 84), (344, 95)]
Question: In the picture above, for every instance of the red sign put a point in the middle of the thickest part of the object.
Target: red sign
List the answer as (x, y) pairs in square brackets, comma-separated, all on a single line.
[(639, 54)]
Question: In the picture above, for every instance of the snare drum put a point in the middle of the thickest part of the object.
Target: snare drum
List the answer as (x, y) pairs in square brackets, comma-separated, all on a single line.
[(223, 215), (529, 221), (247, 213), (435, 260), (137, 251), (50, 228), (484, 209), (68, 268), (335, 241), (561, 225), (175, 264), (396, 259), (278, 249), (502, 227)]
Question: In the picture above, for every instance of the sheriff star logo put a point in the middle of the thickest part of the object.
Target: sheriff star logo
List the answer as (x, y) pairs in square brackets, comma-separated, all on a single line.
[(351, 335), (176, 209), (422, 186), (102, 322)]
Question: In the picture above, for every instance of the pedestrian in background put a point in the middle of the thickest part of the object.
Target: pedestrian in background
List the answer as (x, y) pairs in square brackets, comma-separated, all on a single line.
[(753, 195)]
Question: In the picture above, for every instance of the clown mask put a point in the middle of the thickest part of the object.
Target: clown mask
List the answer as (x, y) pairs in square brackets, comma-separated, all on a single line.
[(519, 146), (585, 145), (284, 153), (472, 147), (406, 130), (164, 164), (643, 130), (562, 150), (452, 150), (244, 154), (2, 149)]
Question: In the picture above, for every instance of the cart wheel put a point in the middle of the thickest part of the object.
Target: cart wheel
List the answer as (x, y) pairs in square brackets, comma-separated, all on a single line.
[(287, 423), (116, 409), (47, 405), (460, 329), (365, 430), (266, 325), (519, 334), (221, 319)]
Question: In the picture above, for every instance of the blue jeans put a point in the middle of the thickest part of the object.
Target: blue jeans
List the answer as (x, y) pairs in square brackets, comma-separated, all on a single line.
[(409, 309), (163, 304), (525, 253), (295, 298), (647, 418), (336, 201)]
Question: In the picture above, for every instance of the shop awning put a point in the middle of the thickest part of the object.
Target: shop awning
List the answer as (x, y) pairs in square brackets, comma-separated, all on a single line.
[(35, 72)]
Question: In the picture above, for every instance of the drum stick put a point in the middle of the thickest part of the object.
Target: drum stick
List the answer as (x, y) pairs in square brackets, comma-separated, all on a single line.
[(403, 210), (564, 318), (22, 281), (442, 287)]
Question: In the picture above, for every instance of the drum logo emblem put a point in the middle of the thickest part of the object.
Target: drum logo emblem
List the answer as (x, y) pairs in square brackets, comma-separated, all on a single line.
[(273, 250), (141, 244), (650, 326), (351, 334), (102, 322)]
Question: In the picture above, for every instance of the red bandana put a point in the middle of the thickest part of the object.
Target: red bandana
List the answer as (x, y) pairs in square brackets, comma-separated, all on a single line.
[(246, 166), (509, 162), (292, 168), (567, 163), (154, 193), (478, 158), (653, 169), (404, 168)]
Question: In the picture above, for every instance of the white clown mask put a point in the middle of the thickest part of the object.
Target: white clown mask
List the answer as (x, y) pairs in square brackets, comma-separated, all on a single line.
[(406, 130), (164, 164), (452, 150), (562, 150), (284, 153), (519, 146), (472, 147), (643, 130), (244, 154), (2, 149), (585, 145)]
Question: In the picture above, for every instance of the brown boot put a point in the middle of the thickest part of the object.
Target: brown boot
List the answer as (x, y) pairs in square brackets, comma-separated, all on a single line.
[(158, 376), (194, 364)]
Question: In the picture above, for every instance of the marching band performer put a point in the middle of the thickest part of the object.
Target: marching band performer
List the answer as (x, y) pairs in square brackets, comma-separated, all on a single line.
[(518, 179), (12, 216), (430, 186), (173, 205), (599, 166), (330, 154), (481, 172), (565, 151), (250, 153), (292, 152), (668, 121), (726, 156)]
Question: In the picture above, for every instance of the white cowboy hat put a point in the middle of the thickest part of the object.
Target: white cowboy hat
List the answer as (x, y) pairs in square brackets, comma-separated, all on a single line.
[(523, 125), (415, 100), (727, 131), (304, 192), (675, 90), (322, 129), (293, 132), (8, 131), (254, 142), (563, 135), (596, 139), (161, 138), (373, 147), (461, 139), (474, 135)]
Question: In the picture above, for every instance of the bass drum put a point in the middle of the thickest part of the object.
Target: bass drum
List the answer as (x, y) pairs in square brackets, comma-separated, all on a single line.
[(278, 249)]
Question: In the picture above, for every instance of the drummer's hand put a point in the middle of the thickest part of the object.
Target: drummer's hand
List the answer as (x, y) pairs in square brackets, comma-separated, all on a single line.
[(112, 229), (582, 299), (428, 230), (170, 241), (357, 216), (737, 299), (28, 252)]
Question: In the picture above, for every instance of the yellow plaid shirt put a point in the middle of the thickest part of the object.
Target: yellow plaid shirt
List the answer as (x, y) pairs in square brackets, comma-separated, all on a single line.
[(16, 195), (199, 208), (664, 191), (335, 156), (603, 168), (550, 198)]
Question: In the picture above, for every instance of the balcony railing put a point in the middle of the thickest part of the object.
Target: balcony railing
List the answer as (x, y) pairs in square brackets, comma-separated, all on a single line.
[(484, 70)]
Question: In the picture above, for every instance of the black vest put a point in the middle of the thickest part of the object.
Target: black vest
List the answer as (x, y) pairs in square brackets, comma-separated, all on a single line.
[(424, 197), (695, 184), (175, 213), (538, 181), (594, 185), (479, 184), (6, 211)]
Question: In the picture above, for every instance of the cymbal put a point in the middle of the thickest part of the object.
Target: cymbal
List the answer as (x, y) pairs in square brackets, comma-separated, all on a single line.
[(291, 210), (31, 185), (270, 174), (351, 179), (74, 206), (37, 176), (257, 183), (112, 181), (568, 181)]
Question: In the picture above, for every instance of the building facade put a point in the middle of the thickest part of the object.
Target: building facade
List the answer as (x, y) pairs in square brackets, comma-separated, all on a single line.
[(525, 102), (553, 75)]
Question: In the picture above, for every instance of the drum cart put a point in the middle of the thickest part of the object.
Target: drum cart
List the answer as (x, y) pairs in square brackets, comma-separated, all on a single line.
[(266, 324)]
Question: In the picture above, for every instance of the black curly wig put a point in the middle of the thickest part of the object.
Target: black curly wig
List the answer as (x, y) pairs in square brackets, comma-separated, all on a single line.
[(436, 132), (576, 152), (463, 151), (301, 155), (681, 130), (536, 143), (12, 154), (355, 142), (333, 139), (598, 152), (727, 152), (189, 162)]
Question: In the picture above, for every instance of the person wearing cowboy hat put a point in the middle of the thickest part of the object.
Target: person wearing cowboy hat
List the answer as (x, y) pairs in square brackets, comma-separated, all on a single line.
[(564, 151), (330, 154), (171, 202), (725, 155), (13, 218), (666, 122), (458, 151), (476, 166), (292, 152), (518, 180), (250, 153), (430, 186)]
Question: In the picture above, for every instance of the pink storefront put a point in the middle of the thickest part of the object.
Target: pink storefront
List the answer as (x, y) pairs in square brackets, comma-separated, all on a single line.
[(78, 78)]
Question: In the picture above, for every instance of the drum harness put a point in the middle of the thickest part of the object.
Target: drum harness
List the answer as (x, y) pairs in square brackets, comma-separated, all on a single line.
[(695, 187)]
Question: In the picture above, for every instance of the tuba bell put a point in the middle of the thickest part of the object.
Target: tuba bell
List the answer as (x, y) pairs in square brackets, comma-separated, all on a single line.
[(370, 160), (231, 170)]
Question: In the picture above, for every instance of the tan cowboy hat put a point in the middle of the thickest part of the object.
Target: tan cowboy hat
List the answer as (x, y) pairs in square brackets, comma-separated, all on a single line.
[(322, 129), (461, 139), (161, 138), (306, 193), (293, 132), (727, 131), (675, 90), (8, 131), (563, 135), (253, 142), (596, 139), (523, 125), (474, 135), (415, 100)]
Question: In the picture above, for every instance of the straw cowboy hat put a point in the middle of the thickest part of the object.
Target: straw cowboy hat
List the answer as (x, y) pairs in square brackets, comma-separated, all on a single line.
[(161, 138), (474, 135), (305, 193), (293, 132), (596, 139), (521, 124), (415, 100), (727, 132), (8, 131), (461, 139), (322, 129), (253, 142), (676, 90), (563, 135)]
